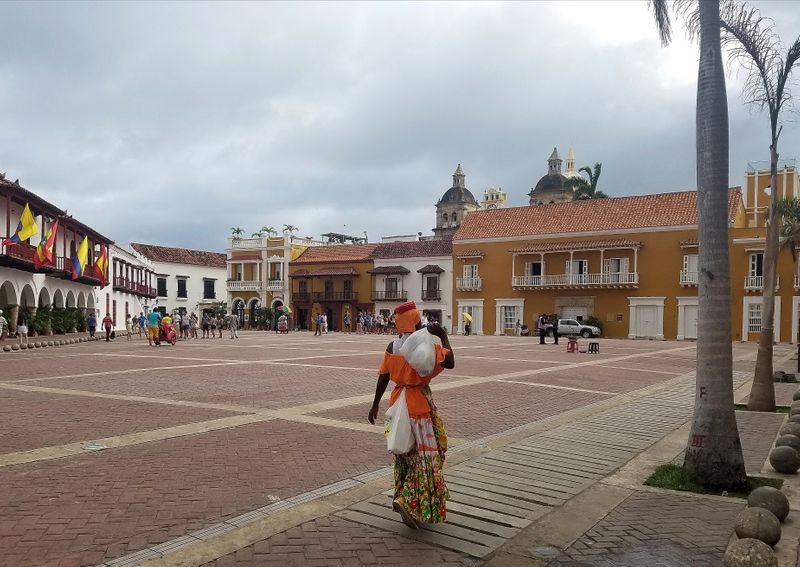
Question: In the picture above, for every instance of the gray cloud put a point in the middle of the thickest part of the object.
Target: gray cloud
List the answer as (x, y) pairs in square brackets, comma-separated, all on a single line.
[(172, 122)]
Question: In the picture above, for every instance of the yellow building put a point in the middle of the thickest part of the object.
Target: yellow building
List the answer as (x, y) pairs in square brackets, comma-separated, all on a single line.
[(630, 262), (258, 271), (333, 280), (747, 256)]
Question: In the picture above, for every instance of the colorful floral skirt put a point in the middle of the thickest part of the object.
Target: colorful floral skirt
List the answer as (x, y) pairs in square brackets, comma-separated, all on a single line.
[(419, 474)]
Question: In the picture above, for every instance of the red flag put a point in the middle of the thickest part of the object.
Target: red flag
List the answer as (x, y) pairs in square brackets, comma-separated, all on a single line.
[(101, 266), (44, 252)]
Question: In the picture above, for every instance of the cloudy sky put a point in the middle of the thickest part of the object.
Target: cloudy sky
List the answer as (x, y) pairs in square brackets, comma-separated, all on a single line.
[(171, 123)]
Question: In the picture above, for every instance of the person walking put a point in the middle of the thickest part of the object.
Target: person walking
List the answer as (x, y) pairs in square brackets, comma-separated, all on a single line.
[(541, 326), (108, 325), (220, 325), (555, 329), (206, 325), (91, 323), (233, 325), (3, 326), (518, 328), (318, 329), (22, 331), (420, 492), (193, 325), (347, 322), (129, 323), (142, 327), (153, 321)]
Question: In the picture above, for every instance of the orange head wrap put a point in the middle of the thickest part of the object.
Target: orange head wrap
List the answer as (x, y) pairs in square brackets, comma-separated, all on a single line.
[(406, 317)]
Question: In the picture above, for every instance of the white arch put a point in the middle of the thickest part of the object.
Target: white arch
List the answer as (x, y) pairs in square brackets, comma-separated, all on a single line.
[(8, 294), (255, 300), (81, 300), (277, 300), (44, 297), (70, 299), (90, 302), (58, 298), (27, 298)]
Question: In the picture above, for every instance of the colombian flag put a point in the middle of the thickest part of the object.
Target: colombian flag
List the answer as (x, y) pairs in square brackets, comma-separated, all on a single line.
[(79, 259), (44, 252), (25, 229), (101, 266)]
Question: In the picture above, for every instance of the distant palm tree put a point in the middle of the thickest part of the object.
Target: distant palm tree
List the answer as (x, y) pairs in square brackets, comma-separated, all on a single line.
[(584, 189), (258, 234), (752, 41), (290, 228), (789, 210), (237, 232), (714, 451), (269, 230)]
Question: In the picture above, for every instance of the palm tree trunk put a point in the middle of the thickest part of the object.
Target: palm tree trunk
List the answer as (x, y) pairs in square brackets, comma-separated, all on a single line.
[(762, 392), (714, 453)]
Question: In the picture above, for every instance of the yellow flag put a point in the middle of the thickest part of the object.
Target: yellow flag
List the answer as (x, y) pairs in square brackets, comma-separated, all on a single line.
[(28, 223)]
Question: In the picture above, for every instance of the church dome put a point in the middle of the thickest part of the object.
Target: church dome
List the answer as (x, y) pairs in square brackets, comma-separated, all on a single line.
[(458, 193), (550, 182)]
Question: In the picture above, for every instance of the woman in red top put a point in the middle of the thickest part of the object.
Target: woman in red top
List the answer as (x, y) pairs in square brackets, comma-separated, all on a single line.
[(420, 493), (108, 323)]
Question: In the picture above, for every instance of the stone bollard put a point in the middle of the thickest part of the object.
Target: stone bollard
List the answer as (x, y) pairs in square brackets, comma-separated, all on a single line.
[(769, 498), (784, 460), (758, 523), (792, 441), (749, 552), (790, 429), (796, 396), (794, 418)]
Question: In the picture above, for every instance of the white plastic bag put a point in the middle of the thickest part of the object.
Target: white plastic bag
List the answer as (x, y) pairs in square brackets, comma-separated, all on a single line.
[(418, 350), (398, 429)]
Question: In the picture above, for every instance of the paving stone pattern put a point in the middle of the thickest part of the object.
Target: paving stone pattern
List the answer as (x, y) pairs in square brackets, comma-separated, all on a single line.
[(650, 529), (757, 432), (334, 542)]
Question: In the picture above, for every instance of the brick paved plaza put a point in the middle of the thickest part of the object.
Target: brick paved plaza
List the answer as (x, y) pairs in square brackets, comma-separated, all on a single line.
[(209, 430)]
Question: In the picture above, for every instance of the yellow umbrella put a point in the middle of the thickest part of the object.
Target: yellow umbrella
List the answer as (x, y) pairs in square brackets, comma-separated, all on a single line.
[(467, 316)]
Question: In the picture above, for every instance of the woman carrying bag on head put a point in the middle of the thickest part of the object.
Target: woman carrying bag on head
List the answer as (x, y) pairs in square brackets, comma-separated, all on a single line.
[(420, 493)]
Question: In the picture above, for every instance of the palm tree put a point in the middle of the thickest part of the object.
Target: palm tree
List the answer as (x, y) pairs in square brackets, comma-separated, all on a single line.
[(269, 230), (752, 42), (258, 234), (584, 189), (237, 232), (290, 228), (714, 452), (789, 210)]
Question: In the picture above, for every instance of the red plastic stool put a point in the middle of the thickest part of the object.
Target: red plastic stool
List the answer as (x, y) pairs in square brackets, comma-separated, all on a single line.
[(572, 345)]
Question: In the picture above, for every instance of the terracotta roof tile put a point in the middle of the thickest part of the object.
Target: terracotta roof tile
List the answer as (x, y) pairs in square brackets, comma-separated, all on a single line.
[(689, 243), (334, 272), (579, 245), (414, 249), (389, 270), (335, 253), (181, 255), (431, 269), (618, 213), (470, 254)]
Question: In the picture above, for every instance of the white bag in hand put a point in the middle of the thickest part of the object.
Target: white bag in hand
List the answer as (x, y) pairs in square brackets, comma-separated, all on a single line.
[(418, 350), (398, 429)]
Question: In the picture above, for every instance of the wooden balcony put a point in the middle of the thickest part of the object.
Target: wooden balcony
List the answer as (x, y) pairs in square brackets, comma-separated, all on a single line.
[(129, 286), (19, 256), (378, 295), (320, 296), (577, 281), (468, 284), (689, 279), (431, 295), (756, 283), (245, 285)]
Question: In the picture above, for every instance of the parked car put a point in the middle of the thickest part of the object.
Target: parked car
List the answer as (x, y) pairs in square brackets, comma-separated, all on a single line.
[(571, 327)]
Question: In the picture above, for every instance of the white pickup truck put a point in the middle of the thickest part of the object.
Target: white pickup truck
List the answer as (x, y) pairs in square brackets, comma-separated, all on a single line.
[(571, 327)]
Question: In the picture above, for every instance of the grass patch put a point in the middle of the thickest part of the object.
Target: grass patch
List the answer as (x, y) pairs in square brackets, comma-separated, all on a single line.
[(778, 409), (673, 477)]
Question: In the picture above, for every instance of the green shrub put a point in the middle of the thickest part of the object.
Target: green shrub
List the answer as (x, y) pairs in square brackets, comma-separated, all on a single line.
[(40, 323)]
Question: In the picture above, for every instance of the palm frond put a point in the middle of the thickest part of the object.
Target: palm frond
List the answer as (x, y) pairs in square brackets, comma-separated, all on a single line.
[(663, 23)]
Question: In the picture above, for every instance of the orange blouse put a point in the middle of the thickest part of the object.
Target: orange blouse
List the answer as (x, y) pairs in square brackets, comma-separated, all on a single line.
[(404, 376)]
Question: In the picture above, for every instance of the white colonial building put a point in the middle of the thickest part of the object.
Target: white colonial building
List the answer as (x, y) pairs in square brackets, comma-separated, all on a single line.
[(420, 271), (23, 288), (131, 285), (189, 281)]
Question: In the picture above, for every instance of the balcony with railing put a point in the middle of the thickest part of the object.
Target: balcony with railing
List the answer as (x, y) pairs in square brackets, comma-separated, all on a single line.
[(689, 279), (389, 295), (320, 296), (756, 283), (129, 286), (468, 284), (18, 255), (612, 280), (244, 285), (275, 285), (431, 295), (249, 243)]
